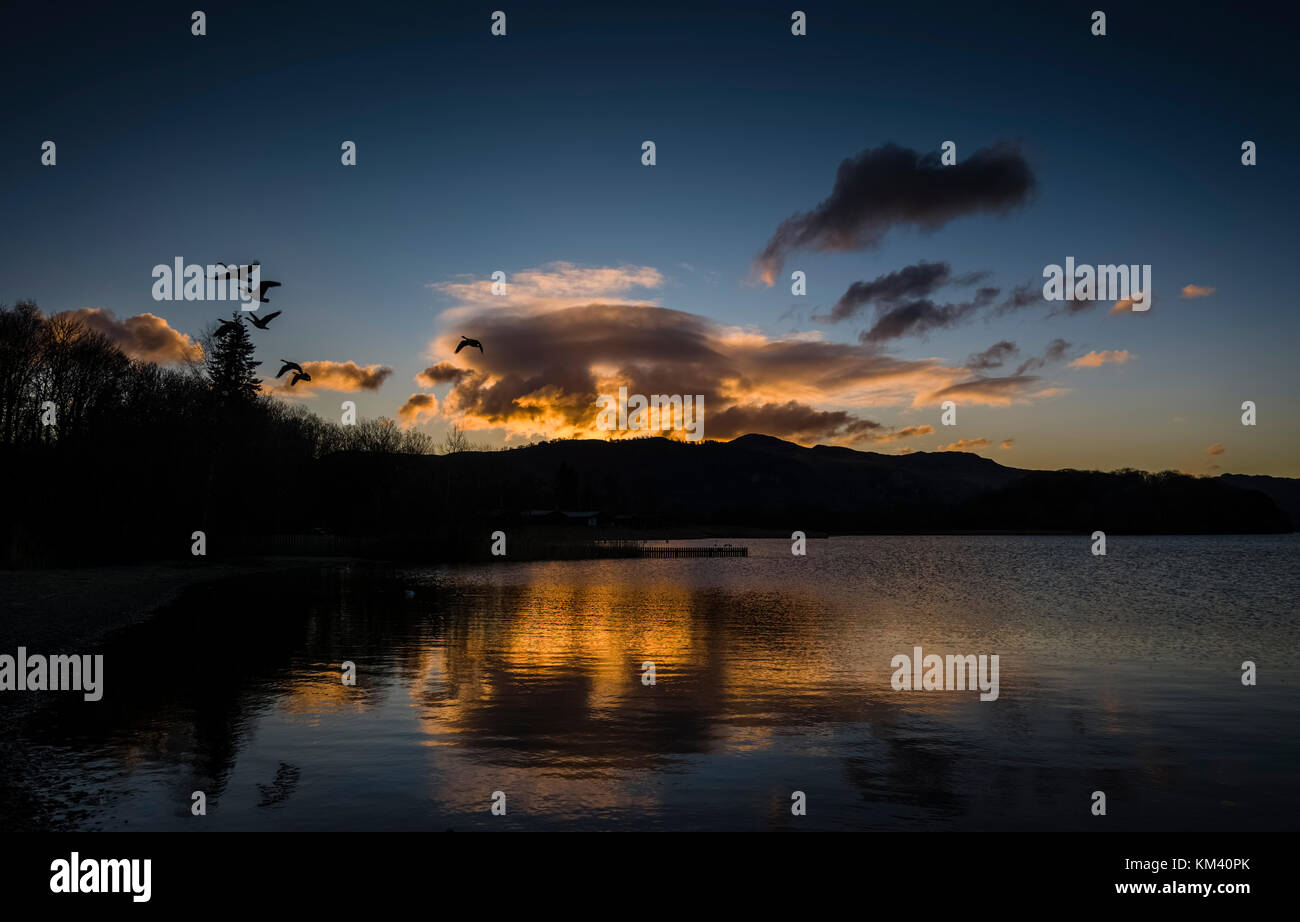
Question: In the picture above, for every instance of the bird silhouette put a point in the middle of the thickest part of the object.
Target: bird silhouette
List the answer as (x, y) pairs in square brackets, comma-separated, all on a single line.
[(261, 293), (466, 342), (227, 327), (261, 322), (298, 373)]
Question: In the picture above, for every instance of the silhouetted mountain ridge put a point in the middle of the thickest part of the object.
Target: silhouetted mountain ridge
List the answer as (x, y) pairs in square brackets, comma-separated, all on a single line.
[(759, 481)]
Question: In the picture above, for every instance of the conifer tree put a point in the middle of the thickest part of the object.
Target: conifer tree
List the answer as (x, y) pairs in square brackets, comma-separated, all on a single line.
[(230, 366)]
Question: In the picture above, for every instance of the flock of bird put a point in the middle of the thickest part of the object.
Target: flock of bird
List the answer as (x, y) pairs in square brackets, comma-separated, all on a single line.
[(226, 327)]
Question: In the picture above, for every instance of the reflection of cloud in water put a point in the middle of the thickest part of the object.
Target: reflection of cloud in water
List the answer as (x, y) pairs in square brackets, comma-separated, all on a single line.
[(772, 675)]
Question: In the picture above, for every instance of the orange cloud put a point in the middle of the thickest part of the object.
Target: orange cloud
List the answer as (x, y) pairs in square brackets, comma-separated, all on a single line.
[(418, 407), (540, 374), (1096, 359), (965, 445), (348, 377), (1215, 449), (1126, 305), (1197, 291), (907, 432), (548, 355), (146, 337), (1007, 444)]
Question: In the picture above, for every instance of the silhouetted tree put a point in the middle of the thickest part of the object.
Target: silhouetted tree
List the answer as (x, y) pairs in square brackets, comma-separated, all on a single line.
[(20, 357), (230, 365), (150, 453), (454, 441)]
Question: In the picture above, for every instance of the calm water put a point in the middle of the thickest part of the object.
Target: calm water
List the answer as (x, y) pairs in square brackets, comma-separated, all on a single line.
[(1119, 673)]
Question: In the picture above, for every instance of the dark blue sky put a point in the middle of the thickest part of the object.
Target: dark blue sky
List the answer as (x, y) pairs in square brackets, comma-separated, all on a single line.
[(478, 153)]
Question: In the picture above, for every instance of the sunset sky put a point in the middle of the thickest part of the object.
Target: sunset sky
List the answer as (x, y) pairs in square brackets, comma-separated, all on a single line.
[(523, 154)]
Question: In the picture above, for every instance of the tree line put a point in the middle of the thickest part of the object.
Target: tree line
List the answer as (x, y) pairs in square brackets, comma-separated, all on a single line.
[(108, 457)]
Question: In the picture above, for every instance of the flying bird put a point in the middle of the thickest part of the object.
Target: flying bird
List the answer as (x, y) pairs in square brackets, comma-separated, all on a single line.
[(298, 373), (261, 322), (466, 342), (261, 294), (227, 327)]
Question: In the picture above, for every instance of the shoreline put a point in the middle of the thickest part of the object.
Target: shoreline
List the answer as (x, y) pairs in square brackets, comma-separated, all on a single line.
[(71, 608)]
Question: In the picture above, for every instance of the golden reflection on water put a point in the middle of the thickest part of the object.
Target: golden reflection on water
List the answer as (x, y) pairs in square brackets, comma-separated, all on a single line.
[(772, 674)]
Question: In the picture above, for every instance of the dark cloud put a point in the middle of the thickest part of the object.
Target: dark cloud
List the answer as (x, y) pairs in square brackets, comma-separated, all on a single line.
[(1055, 352), (1020, 297), (904, 307), (916, 281), (916, 318), (441, 373), (989, 390), (892, 186), (1072, 305), (794, 420), (992, 357)]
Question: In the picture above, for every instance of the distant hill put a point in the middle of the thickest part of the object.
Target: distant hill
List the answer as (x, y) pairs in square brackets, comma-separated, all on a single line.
[(146, 503), (757, 481), (1283, 491)]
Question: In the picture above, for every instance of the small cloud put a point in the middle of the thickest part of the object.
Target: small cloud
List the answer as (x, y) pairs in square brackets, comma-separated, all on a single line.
[(965, 445), (442, 373), (1197, 291), (417, 409), (992, 357), (992, 392), (907, 284), (1125, 305), (1007, 444), (1096, 359), (1054, 352), (907, 432), (1215, 449), (348, 377), (916, 318)]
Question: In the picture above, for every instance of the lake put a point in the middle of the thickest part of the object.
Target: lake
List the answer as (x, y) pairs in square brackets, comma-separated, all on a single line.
[(772, 674)]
